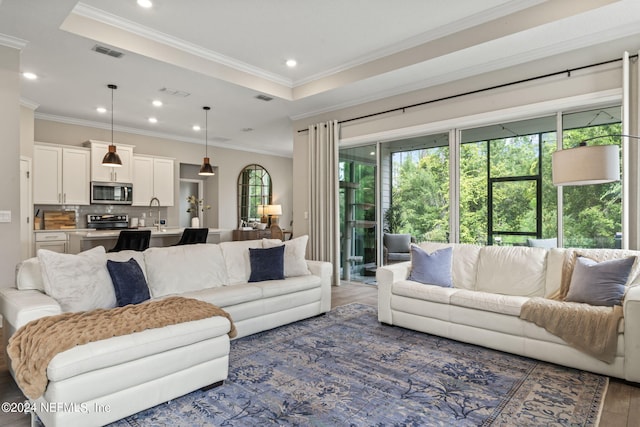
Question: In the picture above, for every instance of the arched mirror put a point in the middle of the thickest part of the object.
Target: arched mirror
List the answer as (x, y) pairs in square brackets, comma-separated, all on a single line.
[(254, 189)]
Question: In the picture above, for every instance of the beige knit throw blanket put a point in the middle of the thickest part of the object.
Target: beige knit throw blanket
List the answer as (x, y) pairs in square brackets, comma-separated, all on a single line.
[(33, 346), (591, 329)]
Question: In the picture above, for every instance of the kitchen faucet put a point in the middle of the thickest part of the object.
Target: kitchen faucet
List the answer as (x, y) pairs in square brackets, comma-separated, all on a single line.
[(151, 204)]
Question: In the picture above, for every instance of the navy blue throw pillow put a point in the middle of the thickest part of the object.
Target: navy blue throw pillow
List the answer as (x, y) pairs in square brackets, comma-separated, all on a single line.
[(128, 282), (266, 264)]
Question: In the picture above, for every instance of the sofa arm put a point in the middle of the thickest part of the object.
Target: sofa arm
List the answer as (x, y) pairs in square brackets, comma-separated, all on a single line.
[(324, 270), (631, 308), (19, 307), (386, 276)]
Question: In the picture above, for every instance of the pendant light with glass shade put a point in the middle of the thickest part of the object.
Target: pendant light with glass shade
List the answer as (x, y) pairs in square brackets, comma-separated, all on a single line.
[(111, 159), (206, 168)]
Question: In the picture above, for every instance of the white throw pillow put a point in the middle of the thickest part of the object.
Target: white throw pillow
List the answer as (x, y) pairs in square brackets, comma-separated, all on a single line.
[(78, 282), (295, 251)]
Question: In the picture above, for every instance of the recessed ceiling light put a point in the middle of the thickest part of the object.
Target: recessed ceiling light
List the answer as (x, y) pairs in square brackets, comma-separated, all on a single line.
[(291, 63), (101, 110), (30, 76), (145, 3), (196, 128), (153, 120), (157, 103), (373, 153)]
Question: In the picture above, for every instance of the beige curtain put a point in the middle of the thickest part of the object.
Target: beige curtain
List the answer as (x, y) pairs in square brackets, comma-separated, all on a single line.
[(324, 227)]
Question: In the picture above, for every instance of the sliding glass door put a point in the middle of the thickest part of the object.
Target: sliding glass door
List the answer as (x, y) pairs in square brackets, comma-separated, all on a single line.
[(358, 222)]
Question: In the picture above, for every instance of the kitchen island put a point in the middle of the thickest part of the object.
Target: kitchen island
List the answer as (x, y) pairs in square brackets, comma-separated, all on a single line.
[(83, 240)]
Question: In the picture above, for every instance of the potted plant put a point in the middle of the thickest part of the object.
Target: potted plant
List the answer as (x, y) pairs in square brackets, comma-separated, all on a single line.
[(195, 206)]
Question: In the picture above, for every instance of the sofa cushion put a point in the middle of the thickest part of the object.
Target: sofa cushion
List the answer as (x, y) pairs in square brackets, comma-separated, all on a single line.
[(397, 243), (266, 263), (78, 282), (512, 270), (431, 269), (295, 251), (236, 259), (129, 282), (434, 293), (399, 257), (464, 262), (273, 288), (503, 304), (225, 296), (183, 268), (114, 351), (599, 283)]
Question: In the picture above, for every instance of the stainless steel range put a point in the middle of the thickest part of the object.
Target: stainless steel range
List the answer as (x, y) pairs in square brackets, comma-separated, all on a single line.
[(107, 221)]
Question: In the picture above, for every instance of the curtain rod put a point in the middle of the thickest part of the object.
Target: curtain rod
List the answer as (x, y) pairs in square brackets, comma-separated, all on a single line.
[(473, 92)]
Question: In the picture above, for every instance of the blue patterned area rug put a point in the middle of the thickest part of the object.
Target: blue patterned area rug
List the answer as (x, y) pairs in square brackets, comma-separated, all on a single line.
[(346, 369)]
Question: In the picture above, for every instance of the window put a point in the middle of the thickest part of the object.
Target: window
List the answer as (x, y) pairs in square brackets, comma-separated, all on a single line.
[(592, 214), (419, 197), (254, 190), (506, 195)]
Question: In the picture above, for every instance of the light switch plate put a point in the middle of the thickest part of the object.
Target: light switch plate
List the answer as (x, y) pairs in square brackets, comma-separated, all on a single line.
[(5, 216)]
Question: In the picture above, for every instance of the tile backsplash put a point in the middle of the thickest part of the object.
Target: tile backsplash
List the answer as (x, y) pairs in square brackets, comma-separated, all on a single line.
[(150, 213)]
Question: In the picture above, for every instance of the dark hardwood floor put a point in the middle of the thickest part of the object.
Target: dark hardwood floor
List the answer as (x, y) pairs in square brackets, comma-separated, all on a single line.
[(621, 406)]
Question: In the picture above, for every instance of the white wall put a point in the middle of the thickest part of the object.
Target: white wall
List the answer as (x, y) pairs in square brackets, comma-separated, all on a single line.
[(9, 162), (221, 187)]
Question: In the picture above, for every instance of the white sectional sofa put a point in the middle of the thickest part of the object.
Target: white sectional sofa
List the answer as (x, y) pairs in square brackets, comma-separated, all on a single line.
[(490, 286), (120, 376)]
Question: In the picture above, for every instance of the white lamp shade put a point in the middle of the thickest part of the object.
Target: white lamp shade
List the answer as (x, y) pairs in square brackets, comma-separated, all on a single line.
[(586, 165), (274, 209)]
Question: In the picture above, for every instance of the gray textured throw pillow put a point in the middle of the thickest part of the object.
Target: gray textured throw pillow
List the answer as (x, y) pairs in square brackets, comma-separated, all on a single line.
[(431, 269), (599, 283)]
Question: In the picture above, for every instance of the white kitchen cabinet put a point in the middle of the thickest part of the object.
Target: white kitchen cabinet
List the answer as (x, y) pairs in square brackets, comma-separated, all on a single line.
[(123, 174), (60, 175), (54, 241), (152, 177)]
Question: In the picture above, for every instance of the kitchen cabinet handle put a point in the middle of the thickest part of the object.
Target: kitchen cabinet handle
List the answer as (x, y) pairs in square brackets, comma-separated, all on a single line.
[(59, 197), (64, 198)]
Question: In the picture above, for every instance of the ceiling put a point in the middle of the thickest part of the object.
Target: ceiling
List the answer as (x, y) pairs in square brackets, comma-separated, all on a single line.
[(224, 53)]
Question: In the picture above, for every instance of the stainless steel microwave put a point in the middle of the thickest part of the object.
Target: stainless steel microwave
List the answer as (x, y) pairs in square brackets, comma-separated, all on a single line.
[(111, 193)]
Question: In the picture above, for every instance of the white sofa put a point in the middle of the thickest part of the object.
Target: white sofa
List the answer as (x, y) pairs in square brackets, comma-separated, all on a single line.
[(490, 285), (120, 376)]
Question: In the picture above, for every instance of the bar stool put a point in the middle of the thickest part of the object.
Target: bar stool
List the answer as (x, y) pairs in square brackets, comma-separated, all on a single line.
[(134, 240), (191, 236)]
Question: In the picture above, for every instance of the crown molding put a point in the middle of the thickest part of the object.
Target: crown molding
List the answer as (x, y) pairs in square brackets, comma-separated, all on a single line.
[(99, 15), (24, 102), (12, 42)]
